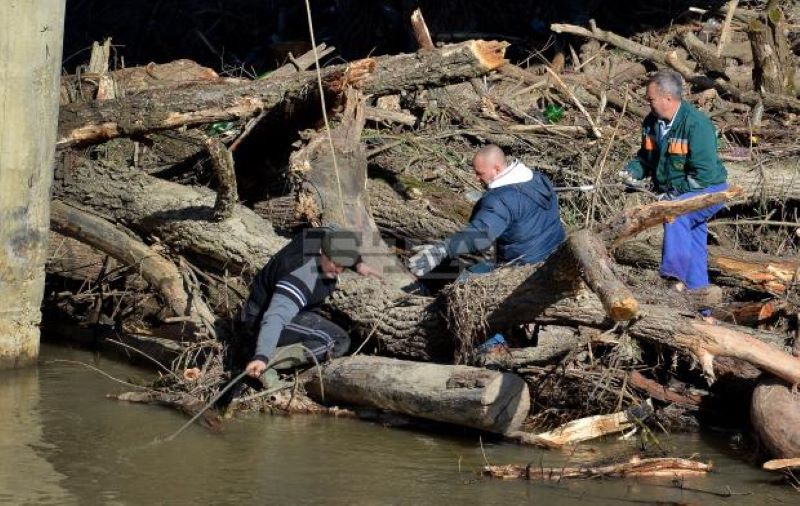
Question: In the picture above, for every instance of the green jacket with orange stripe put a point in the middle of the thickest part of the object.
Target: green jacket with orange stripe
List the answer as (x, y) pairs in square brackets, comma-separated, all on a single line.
[(686, 159)]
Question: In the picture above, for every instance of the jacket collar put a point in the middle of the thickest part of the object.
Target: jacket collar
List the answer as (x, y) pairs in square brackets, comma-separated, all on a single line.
[(515, 172)]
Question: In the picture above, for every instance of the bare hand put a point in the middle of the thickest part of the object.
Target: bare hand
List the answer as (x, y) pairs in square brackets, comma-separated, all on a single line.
[(256, 368), (365, 270)]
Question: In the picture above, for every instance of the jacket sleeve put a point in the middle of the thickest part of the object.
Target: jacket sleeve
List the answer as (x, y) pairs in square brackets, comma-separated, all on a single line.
[(289, 298), (489, 220), (638, 168), (702, 162)]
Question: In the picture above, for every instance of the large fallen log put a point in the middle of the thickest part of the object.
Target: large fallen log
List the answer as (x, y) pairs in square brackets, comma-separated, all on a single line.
[(775, 415), (154, 110), (177, 215), (702, 340), (162, 274), (486, 400), (744, 269)]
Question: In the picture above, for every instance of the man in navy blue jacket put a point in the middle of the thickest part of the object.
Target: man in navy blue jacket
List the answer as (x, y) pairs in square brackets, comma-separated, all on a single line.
[(518, 213)]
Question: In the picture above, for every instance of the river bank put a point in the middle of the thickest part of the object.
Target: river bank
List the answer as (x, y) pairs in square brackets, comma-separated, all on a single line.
[(65, 443)]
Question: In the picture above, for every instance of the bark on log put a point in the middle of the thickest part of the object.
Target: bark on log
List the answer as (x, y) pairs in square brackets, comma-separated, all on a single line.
[(778, 181), (162, 274), (754, 271), (595, 265), (83, 87), (486, 400), (773, 62), (178, 215), (227, 196), (663, 467), (552, 343), (703, 54), (155, 110), (702, 340), (775, 415), (332, 171)]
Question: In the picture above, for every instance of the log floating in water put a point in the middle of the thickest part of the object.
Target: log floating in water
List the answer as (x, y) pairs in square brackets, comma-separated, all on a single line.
[(662, 467), (492, 401), (584, 429)]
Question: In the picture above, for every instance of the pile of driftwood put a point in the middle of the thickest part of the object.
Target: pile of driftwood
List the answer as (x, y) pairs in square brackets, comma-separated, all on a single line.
[(175, 185)]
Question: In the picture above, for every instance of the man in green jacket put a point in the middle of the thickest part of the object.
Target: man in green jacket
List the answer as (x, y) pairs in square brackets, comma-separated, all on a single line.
[(679, 153)]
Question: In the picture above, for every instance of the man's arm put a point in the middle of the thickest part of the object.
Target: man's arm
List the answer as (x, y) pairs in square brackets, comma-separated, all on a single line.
[(638, 168), (289, 298), (702, 161), (488, 222)]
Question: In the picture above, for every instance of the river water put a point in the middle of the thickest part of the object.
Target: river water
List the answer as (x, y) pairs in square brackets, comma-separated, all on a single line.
[(63, 442)]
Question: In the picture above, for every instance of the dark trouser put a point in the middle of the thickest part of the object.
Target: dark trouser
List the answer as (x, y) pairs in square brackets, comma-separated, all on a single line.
[(321, 336)]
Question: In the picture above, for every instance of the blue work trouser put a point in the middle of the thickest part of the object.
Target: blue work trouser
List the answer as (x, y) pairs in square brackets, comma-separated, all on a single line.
[(684, 255)]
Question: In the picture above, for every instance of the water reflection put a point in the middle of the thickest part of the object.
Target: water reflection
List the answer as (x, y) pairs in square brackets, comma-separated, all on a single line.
[(25, 475), (63, 442)]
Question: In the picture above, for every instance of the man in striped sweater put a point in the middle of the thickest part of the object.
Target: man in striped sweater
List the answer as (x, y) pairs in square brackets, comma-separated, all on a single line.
[(285, 296)]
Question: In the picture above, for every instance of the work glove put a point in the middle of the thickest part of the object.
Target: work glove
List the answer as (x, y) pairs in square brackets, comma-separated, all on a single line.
[(631, 182), (426, 258)]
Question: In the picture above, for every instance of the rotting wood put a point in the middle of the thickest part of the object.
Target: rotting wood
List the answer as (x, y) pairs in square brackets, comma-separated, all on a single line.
[(227, 196), (635, 468), (585, 429), (492, 401)]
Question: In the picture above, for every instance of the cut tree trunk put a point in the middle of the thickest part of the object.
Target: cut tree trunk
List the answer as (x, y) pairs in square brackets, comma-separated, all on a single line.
[(486, 400), (31, 36), (154, 110), (773, 61), (595, 265), (775, 415)]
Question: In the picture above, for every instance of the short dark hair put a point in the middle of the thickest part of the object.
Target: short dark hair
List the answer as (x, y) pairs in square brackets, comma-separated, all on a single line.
[(342, 247), (668, 82)]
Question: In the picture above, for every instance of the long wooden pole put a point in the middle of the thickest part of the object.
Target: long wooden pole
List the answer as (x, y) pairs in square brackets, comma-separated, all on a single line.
[(31, 33)]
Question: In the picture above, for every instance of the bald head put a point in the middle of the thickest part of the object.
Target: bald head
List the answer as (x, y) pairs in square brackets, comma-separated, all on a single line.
[(488, 162), (491, 154)]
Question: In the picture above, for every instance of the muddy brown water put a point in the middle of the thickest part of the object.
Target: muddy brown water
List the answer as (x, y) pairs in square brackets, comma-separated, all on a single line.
[(62, 442)]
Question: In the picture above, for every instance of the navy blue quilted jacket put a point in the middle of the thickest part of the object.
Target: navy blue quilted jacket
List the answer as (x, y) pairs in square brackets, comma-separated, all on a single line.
[(522, 219)]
